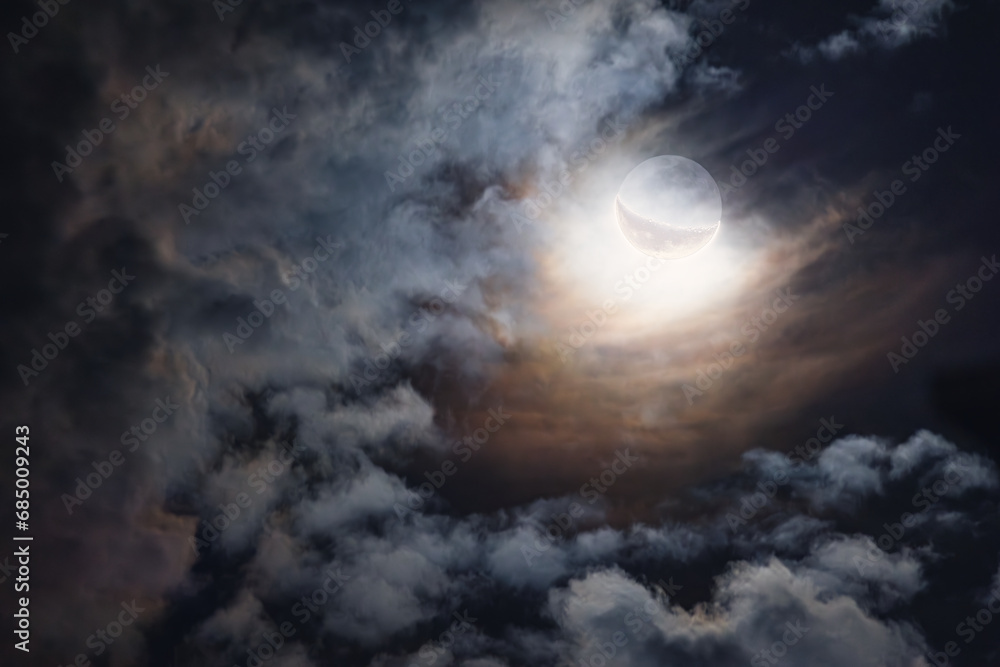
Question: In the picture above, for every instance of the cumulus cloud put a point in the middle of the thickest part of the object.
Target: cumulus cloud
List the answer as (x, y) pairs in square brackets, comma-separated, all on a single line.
[(801, 579)]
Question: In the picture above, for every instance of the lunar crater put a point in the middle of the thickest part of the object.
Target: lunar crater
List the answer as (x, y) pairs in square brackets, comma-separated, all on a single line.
[(669, 207)]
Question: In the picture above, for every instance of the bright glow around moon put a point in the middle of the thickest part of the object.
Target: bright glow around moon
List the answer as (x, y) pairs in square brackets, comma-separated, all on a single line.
[(587, 261), (669, 207)]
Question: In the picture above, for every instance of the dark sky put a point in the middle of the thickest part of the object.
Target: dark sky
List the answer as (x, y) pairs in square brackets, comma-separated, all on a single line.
[(336, 334)]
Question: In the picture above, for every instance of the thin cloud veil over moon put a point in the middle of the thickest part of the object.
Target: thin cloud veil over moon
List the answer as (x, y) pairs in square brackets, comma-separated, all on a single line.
[(669, 207)]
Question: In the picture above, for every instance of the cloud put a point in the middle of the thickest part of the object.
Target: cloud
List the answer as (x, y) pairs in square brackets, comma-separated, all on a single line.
[(889, 25), (801, 571), (755, 607), (327, 377)]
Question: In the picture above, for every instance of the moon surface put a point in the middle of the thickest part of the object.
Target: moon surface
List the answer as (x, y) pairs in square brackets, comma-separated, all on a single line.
[(669, 207)]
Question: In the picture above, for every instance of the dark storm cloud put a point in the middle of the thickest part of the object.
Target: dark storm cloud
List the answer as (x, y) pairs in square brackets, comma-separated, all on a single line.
[(820, 575)]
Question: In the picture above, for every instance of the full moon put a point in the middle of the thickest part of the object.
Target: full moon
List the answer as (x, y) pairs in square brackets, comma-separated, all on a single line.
[(669, 207)]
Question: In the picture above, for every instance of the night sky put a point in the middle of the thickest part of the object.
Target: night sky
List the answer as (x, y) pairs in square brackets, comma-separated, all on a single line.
[(332, 352)]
